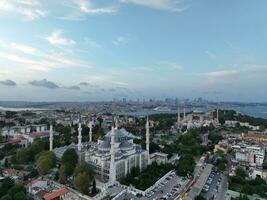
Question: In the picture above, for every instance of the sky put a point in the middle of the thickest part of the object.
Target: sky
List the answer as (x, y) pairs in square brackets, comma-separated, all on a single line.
[(94, 50)]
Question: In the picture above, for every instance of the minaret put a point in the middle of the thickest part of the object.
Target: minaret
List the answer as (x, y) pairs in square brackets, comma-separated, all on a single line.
[(80, 137), (178, 117), (184, 113), (112, 171), (116, 123), (218, 115), (51, 138), (90, 130), (147, 139)]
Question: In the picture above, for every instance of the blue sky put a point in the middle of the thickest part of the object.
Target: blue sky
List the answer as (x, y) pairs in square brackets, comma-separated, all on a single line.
[(87, 50)]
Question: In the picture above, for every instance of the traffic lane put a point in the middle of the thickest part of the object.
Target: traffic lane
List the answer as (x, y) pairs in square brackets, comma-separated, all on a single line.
[(214, 186), (222, 189)]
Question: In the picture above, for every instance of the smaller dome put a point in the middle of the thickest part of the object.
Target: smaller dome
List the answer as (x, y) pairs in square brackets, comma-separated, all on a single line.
[(125, 145), (118, 155), (104, 145)]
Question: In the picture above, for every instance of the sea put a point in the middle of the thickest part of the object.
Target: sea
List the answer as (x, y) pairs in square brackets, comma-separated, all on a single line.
[(252, 110), (259, 111)]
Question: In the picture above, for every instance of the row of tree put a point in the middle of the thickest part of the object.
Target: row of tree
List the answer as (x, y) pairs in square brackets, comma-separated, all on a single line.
[(241, 183), (11, 191)]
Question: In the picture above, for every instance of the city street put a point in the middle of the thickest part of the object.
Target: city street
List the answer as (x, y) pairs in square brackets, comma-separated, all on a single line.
[(216, 187)]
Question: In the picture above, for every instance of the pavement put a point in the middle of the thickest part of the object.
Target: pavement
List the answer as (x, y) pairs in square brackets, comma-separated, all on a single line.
[(169, 189), (217, 187)]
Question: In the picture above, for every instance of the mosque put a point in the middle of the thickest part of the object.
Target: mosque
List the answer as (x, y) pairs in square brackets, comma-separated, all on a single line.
[(196, 119), (111, 157)]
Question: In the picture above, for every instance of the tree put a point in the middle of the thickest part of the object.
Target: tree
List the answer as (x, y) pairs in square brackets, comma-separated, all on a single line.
[(37, 147), (83, 177), (62, 174), (240, 172), (185, 165), (94, 191), (6, 197), (7, 184), (82, 182), (82, 167), (199, 197), (45, 161), (23, 156), (264, 165), (2, 154), (69, 160), (20, 196), (16, 189)]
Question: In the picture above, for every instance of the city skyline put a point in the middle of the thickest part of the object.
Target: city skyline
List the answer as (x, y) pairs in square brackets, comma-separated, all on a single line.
[(85, 50)]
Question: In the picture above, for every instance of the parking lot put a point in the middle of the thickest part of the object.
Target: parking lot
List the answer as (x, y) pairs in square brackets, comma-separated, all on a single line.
[(215, 186), (169, 188)]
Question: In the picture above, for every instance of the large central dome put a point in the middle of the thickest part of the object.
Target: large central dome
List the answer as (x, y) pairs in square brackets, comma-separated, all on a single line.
[(120, 133)]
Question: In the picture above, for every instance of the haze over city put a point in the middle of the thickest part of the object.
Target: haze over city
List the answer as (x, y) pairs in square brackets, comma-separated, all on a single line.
[(87, 50)]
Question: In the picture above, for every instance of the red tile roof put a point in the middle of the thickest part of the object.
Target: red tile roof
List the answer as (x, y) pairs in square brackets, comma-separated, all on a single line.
[(55, 194)]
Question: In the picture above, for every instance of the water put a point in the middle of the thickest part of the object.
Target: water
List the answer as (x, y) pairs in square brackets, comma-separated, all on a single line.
[(21, 109), (254, 111)]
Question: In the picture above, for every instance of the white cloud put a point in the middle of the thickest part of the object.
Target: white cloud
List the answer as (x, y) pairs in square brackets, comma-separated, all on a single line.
[(28, 2), (222, 74), (119, 83), (211, 55), (33, 60), (120, 40), (56, 39), (28, 9), (86, 6), (169, 5), (175, 66), (23, 48), (92, 43)]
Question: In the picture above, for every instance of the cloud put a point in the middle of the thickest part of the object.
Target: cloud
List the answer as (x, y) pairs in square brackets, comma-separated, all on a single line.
[(168, 5), (56, 39), (86, 6), (92, 43), (29, 2), (44, 83), (211, 55), (74, 87), (120, 40), (84, 83), (212, 92), (8, 83), (23, 48), (119, 83), (173, 65), (222, 74), (28, 9), (112, 90)]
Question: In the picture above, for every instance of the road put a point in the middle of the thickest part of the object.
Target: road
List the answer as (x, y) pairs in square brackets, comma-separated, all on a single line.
[(217, 188)]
